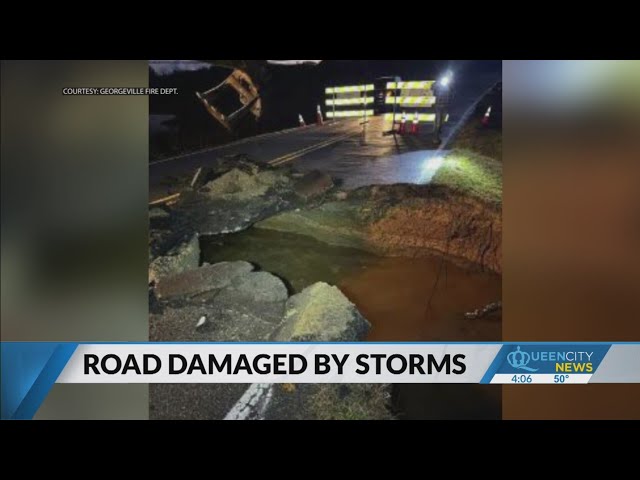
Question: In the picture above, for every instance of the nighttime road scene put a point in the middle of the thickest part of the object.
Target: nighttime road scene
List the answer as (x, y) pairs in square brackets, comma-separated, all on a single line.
[(325, 201)]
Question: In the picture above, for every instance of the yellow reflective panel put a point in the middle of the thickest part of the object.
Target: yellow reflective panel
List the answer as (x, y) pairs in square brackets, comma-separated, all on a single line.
[(350, 101), (427, 101), (420, 85), (349, 113), (355, 88), (422, 117)]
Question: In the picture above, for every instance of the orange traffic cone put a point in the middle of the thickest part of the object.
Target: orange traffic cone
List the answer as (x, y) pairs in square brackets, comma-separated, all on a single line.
[(414, 125), (485, 119), (301, 121), (319, 119), (403, 122)]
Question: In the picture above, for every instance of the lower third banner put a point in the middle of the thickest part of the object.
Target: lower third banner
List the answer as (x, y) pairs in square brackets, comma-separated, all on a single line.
[(29, 370)]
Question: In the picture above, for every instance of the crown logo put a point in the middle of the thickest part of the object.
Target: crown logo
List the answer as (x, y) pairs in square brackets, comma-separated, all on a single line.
[(520, 360)]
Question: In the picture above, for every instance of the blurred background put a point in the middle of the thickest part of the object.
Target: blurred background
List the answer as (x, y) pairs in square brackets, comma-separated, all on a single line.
[(74, 218), (571, 219)]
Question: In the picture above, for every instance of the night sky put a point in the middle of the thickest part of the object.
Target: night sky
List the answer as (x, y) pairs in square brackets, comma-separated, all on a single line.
[(356, 67)]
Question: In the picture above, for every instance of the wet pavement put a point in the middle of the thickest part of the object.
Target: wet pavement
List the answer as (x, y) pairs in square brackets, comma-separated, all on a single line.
[(376, 158)]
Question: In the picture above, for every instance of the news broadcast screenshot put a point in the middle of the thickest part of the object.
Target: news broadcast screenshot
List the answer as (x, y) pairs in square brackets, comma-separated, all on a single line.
[(364, 240)]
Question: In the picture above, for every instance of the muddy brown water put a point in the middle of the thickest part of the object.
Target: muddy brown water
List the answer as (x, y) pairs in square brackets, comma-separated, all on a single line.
[(405, 299)]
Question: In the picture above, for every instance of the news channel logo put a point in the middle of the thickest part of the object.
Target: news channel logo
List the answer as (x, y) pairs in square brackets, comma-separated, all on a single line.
[(550, 358), (520, 360)]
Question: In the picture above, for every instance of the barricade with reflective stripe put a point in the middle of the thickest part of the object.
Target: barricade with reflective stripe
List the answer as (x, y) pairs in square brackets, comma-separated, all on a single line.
[(424, 100), (420, 85), (350, 89), (349, 101), (349, 113), (414, 97)]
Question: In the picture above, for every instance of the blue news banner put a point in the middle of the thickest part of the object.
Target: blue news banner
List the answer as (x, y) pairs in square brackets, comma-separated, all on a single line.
[(29, 369)]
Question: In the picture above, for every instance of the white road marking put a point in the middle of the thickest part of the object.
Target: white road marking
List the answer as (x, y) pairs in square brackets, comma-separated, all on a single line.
[(195, 177), (253, 403)]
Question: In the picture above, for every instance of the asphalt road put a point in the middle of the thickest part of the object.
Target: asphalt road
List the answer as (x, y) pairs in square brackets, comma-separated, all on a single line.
[(354, 156), (339, 148), (264, 148)]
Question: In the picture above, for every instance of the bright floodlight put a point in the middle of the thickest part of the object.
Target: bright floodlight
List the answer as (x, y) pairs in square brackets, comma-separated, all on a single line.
[(432, 164), (430, 167), (446, 80)]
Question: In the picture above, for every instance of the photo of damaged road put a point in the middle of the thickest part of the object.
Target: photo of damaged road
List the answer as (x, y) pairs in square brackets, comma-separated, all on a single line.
[(375, 214)]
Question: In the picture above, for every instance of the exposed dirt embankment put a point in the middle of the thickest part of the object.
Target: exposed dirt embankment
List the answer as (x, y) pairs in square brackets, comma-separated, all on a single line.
[(404, 220), (447, 222)]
